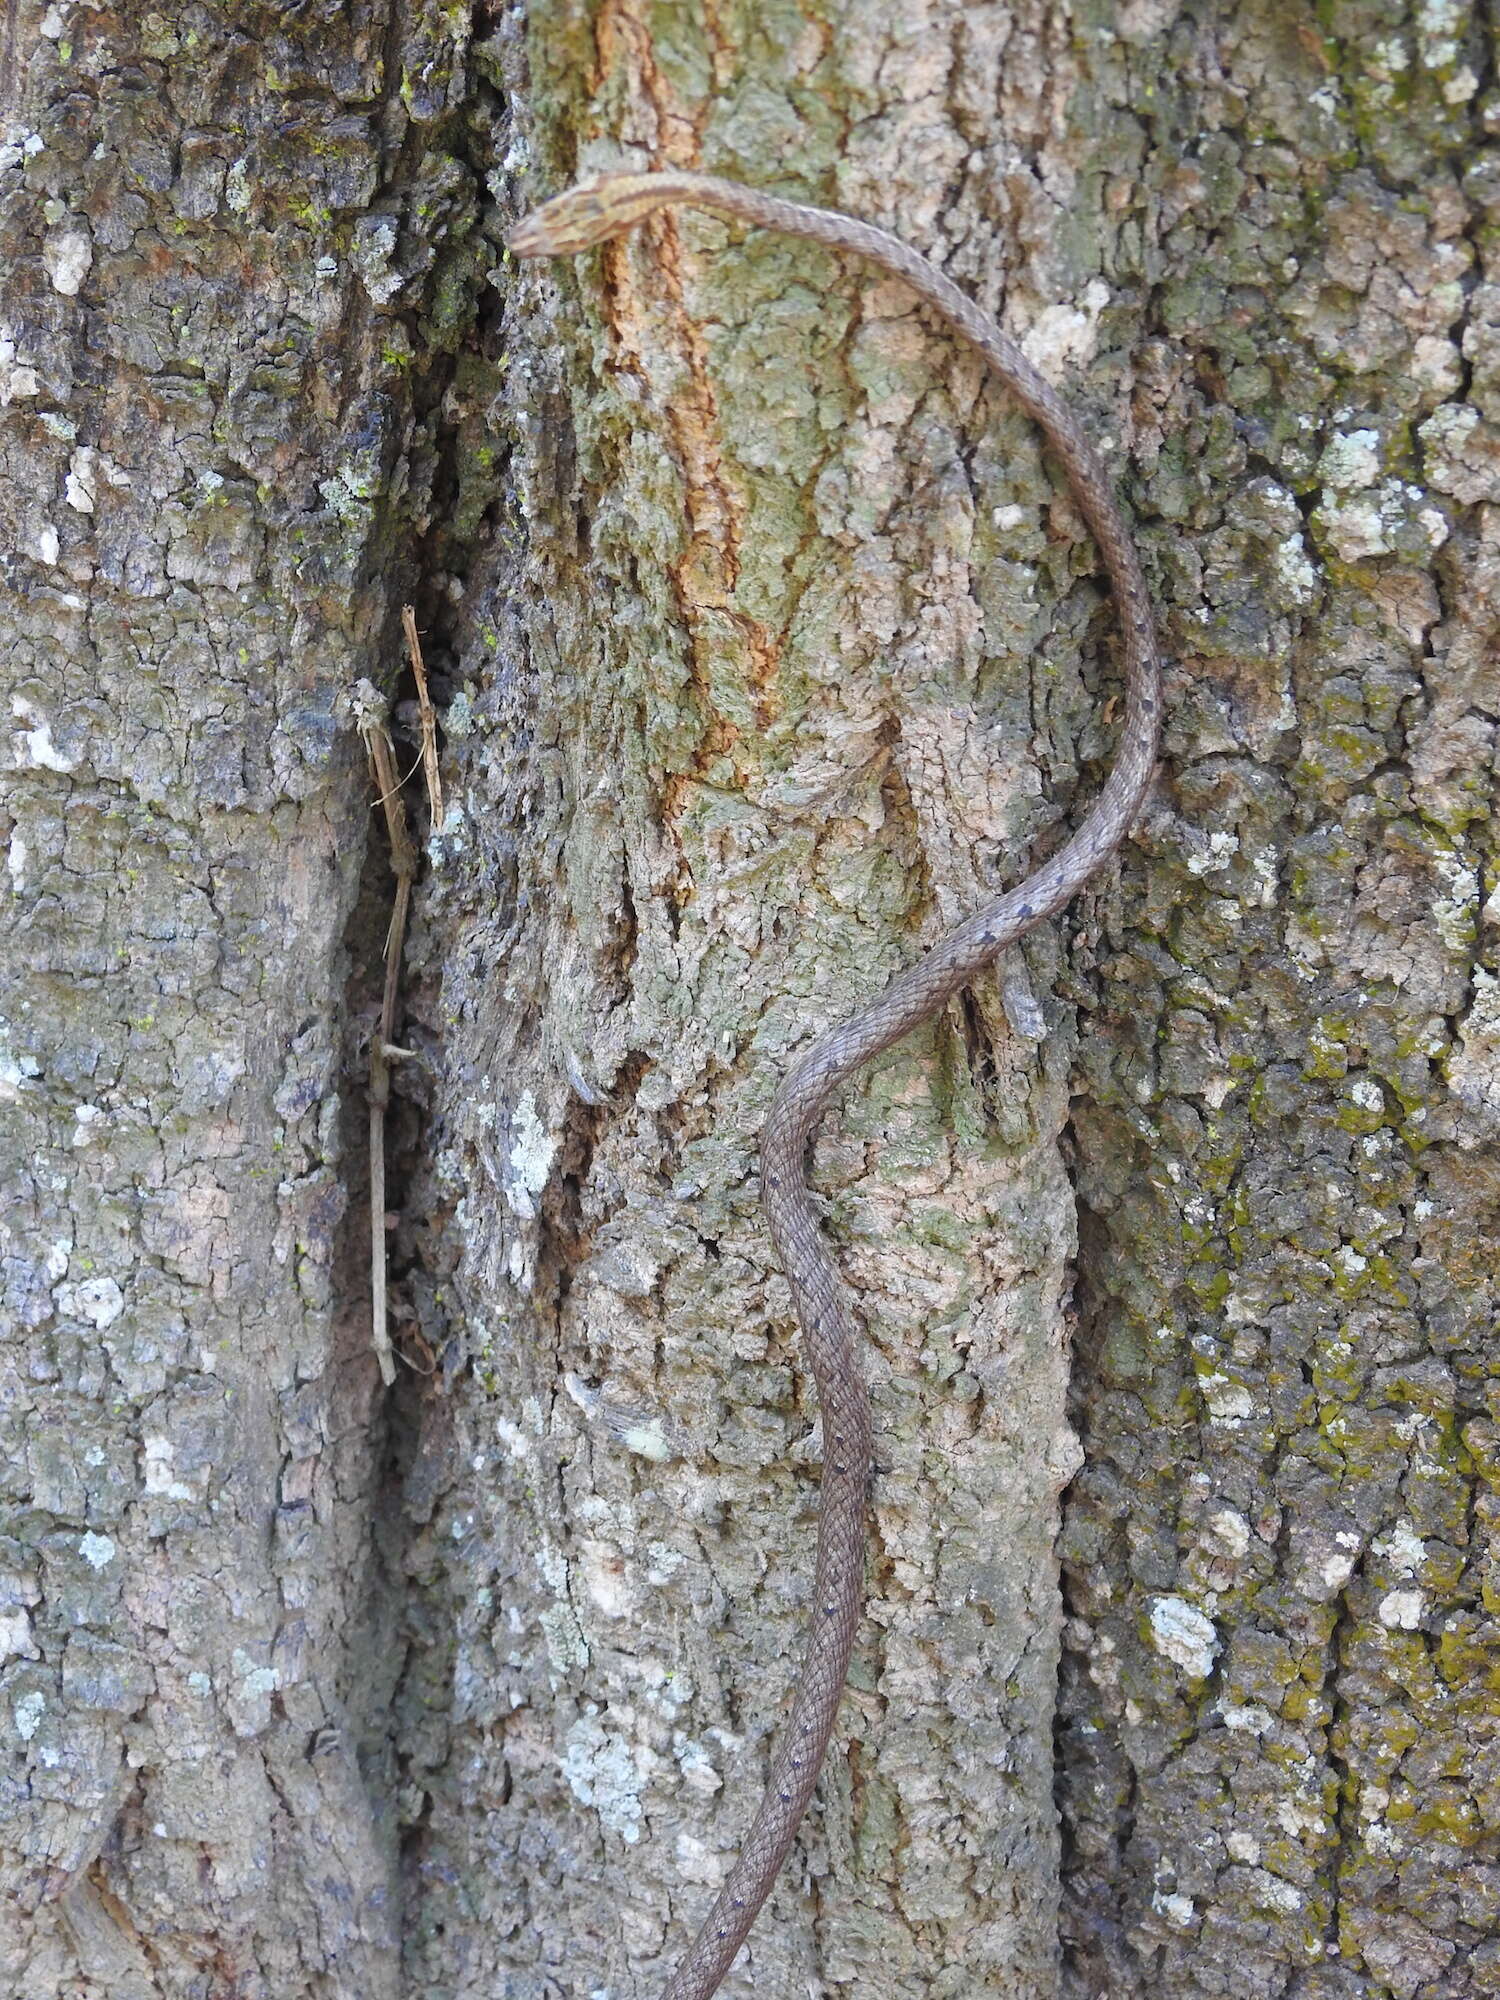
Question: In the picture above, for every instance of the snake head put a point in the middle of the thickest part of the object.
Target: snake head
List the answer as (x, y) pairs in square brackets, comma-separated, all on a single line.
[(591, 213)]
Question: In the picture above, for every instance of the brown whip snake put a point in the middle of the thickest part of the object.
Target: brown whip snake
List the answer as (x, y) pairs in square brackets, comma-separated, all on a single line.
[(575, 221)]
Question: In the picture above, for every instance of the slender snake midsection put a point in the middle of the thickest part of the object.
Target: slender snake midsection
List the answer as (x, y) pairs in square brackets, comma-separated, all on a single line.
[(575, 221)]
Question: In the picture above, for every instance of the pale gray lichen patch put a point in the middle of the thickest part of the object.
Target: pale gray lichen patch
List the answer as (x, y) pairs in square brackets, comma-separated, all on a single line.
[(1395, 519), (1402, 1610), (248, 1697), (1185, 1636), (1351, 460), (28, 1712), (601, 1772), (532, 1151), (567, 1649), (1474, 1067), (18, 379), (32, 743), (97, 1300), (67, 254), (1063, 337)]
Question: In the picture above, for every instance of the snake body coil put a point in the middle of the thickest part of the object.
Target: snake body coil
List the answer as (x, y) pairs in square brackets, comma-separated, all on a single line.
[(575, 221)]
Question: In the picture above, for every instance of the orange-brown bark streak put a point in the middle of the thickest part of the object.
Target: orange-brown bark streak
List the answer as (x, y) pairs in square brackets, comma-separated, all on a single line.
[(721, 637)]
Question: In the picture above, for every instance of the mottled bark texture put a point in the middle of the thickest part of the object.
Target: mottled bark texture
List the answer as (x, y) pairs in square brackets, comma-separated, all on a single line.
[(226, 257), (767, 645)]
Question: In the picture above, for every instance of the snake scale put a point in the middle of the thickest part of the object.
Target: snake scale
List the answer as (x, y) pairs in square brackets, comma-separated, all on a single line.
[(576, 221)]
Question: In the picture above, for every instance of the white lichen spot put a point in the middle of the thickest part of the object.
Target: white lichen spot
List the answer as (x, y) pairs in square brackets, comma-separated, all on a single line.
[(1474, 1070), (696, 1766), (647, 1440), (237, 186), (46, 544), (1243, 1847), (1062, 336), (1231, 1531), (98, 1551), (1182, 1634), (532, 1151), (1247, 1718), (67, 255), (1351, 461), (567, 1649), (1228, 1402), (161, 1472), (663, 1562), (601, 1772), (1296, 571), (1216, 853), (1350, 1261), (97, 1300), (1177, 1909), (16, 1639), (17, 854), (28, 1713), (1454, 911), (1366, 1093), (32, 742), (1438, 21), (1436, 363), (1299, 1818), (1401, 1610), (254, 1679), (552, 1566), (1369, 524), (1446, 436), (86, 1118), (248, 1698), (81, 488), (1336, 1570), (1461, 86), (1403, 1548), (1276, 1894), (515, 1440), (18, 379)]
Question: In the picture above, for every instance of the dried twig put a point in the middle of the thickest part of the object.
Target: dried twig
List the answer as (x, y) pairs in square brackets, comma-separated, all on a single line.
[(370, 713), (428, 717)]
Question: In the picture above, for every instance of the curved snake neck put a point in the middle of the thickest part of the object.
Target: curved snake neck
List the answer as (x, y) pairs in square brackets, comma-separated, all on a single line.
[(575, 221)]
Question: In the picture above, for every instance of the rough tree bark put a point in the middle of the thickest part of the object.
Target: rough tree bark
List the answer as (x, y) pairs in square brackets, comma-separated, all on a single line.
[(767, 645)]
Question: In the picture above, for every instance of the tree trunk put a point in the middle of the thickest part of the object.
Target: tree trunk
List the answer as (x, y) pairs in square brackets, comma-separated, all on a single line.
[(213, 476), (767, 644)]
